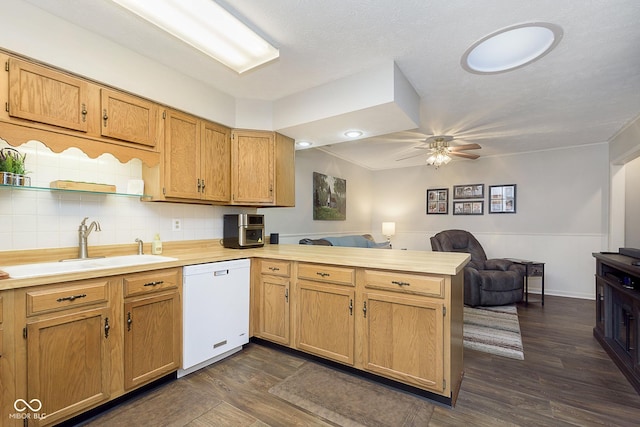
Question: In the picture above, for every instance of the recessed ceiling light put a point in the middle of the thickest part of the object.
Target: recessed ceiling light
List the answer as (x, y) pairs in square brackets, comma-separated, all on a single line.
[(353, 133), (511, 48), (303, 144)]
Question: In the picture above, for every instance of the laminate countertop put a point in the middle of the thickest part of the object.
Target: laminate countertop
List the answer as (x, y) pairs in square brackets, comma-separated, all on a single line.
[(445, 263)]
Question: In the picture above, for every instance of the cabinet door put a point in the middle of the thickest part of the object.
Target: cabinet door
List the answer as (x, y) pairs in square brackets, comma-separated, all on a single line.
[(182, 156), (274, 309), (128, 118), (216, 162), (600, 305), (325, 321), (42, 95), (151, 338), (404, 339), (68, 366), (252, 169)]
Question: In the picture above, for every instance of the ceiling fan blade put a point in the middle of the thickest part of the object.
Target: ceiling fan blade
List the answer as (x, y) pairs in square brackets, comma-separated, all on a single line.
[(465, 147), (465, 155)]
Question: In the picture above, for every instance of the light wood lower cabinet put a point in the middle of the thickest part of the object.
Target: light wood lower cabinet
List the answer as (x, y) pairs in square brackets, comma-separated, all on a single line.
[(404, 339), (68, 363), (68, 340), (400, 325), (325, 320), (324, 299), (152, 338), (273, 300), (153, 326), (76, 345)]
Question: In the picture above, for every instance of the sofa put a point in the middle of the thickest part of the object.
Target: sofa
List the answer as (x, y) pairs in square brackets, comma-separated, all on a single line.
[(352, 241), (487, 282)]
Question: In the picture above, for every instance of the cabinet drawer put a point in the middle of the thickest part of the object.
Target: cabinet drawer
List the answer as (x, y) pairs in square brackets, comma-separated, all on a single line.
[(153, 281), (408, 283), (326, 273), (276, 268), (72, 295)]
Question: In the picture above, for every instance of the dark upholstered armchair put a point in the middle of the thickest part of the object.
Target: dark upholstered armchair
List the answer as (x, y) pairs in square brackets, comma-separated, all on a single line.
[(486, 281)]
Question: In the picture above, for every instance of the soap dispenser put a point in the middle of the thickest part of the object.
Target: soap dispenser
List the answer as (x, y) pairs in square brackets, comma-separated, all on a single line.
[(156, 245)]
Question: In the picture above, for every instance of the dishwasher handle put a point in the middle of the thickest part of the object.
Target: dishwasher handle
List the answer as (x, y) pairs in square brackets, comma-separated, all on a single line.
[(221, 273)]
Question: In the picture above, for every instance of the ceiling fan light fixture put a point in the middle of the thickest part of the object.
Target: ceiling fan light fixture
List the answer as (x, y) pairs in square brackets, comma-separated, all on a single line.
[(511, 48)]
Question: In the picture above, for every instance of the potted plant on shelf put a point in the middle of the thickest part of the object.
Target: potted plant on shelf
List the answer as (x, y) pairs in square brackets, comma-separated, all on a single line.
[(12, 169)]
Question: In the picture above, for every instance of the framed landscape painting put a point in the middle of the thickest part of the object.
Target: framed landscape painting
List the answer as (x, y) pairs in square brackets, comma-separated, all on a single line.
[(329, 198)]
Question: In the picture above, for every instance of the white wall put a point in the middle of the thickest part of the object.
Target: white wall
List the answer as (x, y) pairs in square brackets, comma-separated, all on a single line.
[(561, 218), (632, 204), (296, 223)]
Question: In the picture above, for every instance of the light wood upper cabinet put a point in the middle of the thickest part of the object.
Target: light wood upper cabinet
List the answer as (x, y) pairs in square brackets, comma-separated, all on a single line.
[(215, 162), (43, 95), (262, 168), (196, 165), (128, 118), (181, 156), (252, 167)]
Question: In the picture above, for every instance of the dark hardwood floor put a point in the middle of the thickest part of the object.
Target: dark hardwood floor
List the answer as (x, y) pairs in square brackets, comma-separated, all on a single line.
[(565, 379)]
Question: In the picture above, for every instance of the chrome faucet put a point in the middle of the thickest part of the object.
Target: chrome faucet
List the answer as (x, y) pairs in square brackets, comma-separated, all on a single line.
[(83, 233), (140, 247)]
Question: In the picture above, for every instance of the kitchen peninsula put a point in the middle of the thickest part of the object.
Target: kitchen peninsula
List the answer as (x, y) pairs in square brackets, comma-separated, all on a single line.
[(394, 314)]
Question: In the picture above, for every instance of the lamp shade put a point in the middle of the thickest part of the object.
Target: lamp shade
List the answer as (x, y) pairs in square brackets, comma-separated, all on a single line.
[(388, 228)]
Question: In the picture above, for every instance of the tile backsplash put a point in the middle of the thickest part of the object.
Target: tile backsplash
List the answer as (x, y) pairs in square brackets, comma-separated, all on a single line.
[(37, 219)]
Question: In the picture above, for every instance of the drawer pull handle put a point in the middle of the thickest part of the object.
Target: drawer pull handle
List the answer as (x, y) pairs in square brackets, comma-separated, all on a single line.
[(71, 298), (129, 321), (395, 282), (321, 274), (274, 269), (159, 282)]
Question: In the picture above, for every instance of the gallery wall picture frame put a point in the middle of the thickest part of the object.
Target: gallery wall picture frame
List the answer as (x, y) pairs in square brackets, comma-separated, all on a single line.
[(469, 191), (502, 198), (468, 207), (438, 201)]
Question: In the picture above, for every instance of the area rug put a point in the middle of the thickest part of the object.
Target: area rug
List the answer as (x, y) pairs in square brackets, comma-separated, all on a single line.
[(349, 400), (494, 330)]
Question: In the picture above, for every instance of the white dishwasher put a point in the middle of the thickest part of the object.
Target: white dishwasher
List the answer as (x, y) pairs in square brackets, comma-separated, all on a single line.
[(215, 312)]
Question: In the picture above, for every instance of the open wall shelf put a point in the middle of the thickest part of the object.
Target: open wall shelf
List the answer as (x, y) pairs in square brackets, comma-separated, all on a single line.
[(65, 190)]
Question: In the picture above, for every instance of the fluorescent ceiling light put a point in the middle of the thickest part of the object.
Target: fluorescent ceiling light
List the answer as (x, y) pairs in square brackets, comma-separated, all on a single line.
[(353, 133), (207, 27), (511, 48)]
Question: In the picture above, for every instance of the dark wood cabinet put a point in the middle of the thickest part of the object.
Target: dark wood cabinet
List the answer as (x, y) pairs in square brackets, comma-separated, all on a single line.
[(618, 312)]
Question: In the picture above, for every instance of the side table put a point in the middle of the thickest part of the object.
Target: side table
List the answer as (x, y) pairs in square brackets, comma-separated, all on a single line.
[(532, 269)]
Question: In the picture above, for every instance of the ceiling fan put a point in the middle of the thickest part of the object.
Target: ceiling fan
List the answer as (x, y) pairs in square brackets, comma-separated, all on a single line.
[(440, 151)]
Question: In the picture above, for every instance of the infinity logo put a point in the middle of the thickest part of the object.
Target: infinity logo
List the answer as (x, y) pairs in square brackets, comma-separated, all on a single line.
[(27, 405)]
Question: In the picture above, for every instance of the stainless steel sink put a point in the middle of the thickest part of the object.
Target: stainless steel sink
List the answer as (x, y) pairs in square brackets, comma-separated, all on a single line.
[(72, 266)]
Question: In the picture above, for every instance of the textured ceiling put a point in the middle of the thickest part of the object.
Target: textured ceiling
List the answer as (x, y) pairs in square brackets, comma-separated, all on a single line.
[(583, 92)]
